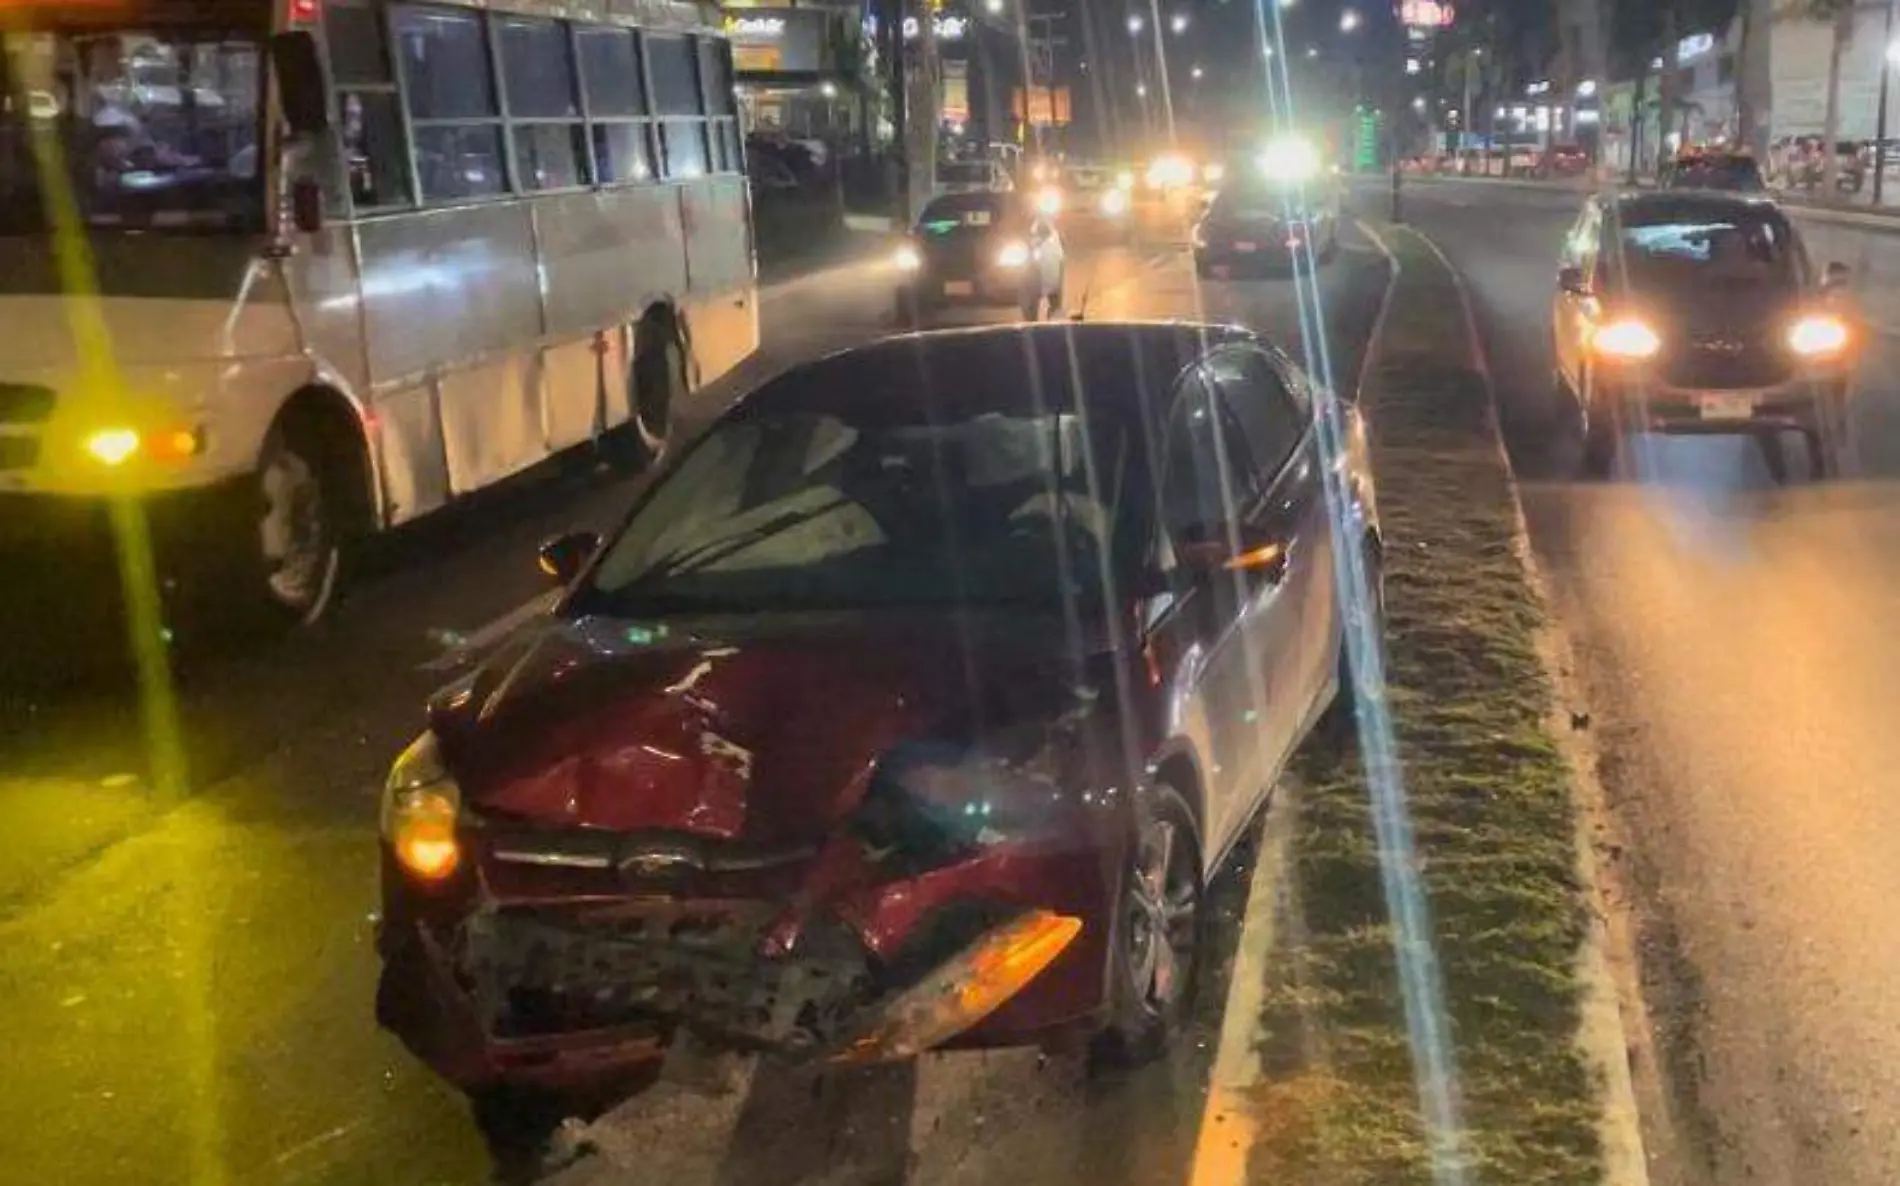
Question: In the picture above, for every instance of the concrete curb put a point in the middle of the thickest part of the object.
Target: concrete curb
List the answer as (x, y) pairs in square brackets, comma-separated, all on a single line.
[(1602, 1035)]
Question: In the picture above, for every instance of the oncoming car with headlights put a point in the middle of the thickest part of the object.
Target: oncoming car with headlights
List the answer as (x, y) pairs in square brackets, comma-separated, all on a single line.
[(983, 249), (1279, 207), (912, 706), (1700, 312)]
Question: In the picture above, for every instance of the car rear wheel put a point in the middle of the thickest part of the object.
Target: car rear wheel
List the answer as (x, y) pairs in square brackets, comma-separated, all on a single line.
[(1159, 932)]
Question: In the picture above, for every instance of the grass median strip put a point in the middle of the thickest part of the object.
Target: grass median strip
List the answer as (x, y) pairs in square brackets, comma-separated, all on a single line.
[(1489, 797)]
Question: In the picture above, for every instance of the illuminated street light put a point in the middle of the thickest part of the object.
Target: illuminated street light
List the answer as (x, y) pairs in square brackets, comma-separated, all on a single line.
[(1349, 20), (993, 6), (1312, 51), (1266, 51), (1141, 89), (828, 89), (1178, 23), (1195, 73), (1134, 24), (1418, 103), (1411, 66)]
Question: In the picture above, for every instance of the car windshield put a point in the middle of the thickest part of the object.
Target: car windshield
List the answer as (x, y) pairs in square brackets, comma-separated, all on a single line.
[(156, 129), (866, 511), (967, 213), (1690, 254)]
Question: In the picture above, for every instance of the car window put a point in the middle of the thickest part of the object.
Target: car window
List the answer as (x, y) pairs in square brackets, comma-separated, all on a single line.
[(1687, 250), (1271, 418), (829, 510), (1207, 474)]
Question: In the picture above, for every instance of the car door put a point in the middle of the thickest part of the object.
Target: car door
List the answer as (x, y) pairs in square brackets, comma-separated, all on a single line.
[(1205, 476), (1292, 623)]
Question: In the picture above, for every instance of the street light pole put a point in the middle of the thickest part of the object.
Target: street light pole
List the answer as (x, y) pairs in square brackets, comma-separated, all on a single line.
[(1880, 120)]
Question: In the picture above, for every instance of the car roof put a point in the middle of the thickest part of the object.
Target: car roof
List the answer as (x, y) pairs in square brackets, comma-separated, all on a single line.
[(1690, 203), (1125, 366)]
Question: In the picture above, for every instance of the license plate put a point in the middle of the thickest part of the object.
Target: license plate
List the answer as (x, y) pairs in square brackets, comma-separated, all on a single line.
[(1727, 407), (1246, 245), (959, 288)]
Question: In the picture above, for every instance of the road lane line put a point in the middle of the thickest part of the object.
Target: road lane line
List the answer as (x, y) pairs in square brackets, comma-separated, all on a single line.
[(469, 647), (1228, 1121)]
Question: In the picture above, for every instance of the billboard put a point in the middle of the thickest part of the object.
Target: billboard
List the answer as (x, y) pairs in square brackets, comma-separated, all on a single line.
[(1048, 107), (1425, 14)]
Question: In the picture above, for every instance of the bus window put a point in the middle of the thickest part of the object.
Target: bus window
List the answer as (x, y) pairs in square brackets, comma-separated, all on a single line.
[(543, 104), (674, 76), (616, 103), (685, 141), (452, 111), (375, 149)]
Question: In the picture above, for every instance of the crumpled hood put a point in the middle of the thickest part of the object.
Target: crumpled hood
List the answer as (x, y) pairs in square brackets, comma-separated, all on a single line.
[(763, 732)]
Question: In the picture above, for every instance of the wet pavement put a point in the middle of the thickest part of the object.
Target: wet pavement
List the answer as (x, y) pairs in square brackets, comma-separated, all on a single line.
[(186, 993)]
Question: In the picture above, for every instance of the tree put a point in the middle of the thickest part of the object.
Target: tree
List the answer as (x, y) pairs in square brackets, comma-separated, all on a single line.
[(1839, 13), (1642, 31)]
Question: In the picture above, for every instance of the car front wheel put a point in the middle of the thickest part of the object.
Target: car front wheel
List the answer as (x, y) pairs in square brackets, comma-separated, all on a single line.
[(1159, 927)]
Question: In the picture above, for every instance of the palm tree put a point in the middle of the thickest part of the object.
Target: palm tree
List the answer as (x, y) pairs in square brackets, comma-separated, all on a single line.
[(1839, 13)]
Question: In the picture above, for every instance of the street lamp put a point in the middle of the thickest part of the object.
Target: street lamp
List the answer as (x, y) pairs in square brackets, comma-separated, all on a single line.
[(993, 6), (1178, 23), (1418, 103), (1195, 73), (1141, 90), (1266, 50), (1134, 25), (1312, 51), (1348, 20)]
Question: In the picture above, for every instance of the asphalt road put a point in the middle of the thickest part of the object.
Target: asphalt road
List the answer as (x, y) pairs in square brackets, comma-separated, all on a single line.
[(1735, 642), (186, 994)]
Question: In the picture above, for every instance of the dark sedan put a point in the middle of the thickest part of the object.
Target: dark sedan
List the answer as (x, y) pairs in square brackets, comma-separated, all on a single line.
[(1258, 221), (1700, 312), (979, 248), (912, 706)]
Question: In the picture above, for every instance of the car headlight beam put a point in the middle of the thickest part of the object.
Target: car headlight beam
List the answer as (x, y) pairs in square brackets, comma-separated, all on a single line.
[(1818, 335), (1628, 338)]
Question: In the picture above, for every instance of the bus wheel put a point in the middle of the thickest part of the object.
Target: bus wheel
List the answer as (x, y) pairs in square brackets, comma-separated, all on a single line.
[(299, 540), (659, 378)]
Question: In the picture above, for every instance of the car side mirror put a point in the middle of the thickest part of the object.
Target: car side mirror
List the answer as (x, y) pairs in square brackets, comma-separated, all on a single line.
[(1570, 279), (300, 90), (1836, 275), (563, 557)]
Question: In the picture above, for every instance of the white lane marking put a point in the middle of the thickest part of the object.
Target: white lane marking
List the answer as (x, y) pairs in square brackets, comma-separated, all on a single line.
[(1228, 1118), (469, 646)]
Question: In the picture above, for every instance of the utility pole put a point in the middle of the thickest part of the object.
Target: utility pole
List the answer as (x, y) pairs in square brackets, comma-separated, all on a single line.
[(1880, 120)]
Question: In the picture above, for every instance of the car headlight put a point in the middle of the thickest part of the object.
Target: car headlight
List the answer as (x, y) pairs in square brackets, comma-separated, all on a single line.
[(1628, 338), (1013, 255), (907, 259), (1124, 180), (1114, 203), (1049, 201), (420, 805), (1817, 335)]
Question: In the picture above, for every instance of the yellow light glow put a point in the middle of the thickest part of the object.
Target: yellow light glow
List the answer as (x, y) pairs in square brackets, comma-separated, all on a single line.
[(1212, 174), (1170, 171), (1115, 203), (1013, 255), (423, 834), (113, 446), (1290, 158), (1628, 339), (907, 259), (1124, 180), (1818, 334), (1049, 201)]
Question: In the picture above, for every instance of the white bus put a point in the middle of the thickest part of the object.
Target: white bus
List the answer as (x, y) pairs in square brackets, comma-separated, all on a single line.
[(347, 260)]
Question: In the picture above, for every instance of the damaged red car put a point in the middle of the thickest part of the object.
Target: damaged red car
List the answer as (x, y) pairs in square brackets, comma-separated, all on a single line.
[(909, 707)]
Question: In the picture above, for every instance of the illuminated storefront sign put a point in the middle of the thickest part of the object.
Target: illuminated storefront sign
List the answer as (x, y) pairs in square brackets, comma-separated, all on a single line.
[(1425, 14)]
